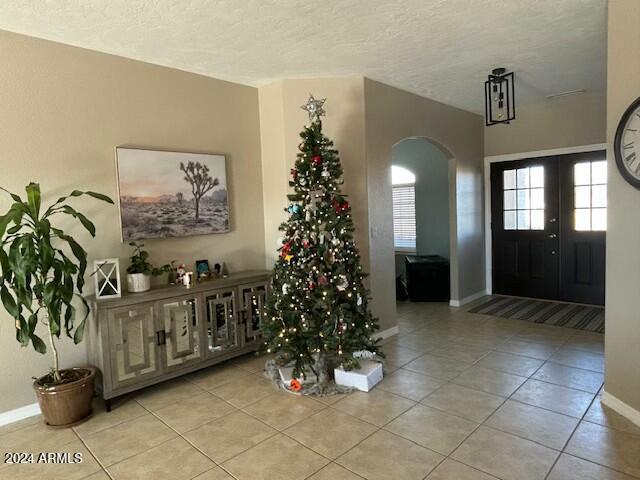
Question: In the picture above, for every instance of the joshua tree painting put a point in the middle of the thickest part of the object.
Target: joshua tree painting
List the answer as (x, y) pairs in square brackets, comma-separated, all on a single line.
[(171, 194)]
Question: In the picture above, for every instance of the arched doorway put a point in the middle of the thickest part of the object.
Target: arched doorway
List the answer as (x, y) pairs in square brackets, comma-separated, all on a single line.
[(422, 222)]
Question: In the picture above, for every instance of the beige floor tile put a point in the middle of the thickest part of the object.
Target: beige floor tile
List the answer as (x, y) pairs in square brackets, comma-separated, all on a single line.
[(608, 447), (281, 409), (278, 458), (603, 415), (471, 404), (432, 428), (412, 385), (572, 468), (570, 377), (490, 381), (418, 341), (579, 359), (213, 377), (377, 406), (122, 411), (384, 456), (437, 367), (510, 363), (216, 473), (172, 460), (54, 471), (399, 356), (37, 437), (333, 399), (333, 471), (228, 436), (452, 470), (252, 363), (25, 422), (99, 475), (166, 393), (548, 428), (460, 352), (505, 456), (244, 391), (193, 412), (126, 439), (554, 397), (330, 432), (533, 350), (588, 344)]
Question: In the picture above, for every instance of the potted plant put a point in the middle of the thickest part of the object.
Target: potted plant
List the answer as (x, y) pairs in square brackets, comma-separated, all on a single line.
[(41, 272), (140, 271)]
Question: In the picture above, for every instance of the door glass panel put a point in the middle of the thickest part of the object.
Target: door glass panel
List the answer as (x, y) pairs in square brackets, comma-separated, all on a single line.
[(509, 179), (583, 219), (510, 220), (536, 177), (523, 192), (537, 219), (221, 322), (510, 200), (590, 196)]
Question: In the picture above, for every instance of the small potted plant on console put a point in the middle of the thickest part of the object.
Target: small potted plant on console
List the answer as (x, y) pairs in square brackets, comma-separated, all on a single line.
[(140, 271)]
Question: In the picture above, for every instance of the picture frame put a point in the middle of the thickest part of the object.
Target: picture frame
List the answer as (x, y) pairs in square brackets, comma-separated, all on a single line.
[(165, 194), (218, 269), (202, 269)]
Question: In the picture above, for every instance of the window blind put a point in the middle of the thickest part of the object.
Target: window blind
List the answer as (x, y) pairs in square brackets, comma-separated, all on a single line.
[(404, 216)]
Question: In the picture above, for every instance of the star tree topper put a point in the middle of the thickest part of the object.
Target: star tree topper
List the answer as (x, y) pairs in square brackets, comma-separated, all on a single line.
[(314, 108)]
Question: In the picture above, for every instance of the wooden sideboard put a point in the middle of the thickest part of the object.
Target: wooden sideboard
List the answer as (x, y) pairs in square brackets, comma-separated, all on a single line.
[(145, 338)]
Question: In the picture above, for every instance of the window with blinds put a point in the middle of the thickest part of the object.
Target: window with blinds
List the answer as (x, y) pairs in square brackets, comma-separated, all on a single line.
[(404, 217)]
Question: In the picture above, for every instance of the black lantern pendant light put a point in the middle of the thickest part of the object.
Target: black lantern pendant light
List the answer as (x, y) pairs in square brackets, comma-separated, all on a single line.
[(499, 97)]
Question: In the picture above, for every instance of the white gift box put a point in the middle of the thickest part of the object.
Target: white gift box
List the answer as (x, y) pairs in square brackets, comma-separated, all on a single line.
[(363, 378)]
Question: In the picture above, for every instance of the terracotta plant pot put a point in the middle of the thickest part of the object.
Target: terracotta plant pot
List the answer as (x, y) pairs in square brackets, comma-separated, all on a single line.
[(68, 403)]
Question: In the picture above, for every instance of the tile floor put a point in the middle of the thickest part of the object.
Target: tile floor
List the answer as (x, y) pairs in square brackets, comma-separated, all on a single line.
[(465, 397)]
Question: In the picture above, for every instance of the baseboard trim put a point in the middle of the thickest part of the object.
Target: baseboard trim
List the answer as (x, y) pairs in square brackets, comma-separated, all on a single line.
[(18, 414), (620, 407), (389, 332), (469, 299)]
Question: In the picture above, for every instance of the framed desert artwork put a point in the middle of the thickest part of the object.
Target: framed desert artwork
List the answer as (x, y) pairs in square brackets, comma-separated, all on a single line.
[(171, 194)]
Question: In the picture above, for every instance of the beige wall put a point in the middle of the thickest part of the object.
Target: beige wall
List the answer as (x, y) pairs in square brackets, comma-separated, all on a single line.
[(63, 109), (392, 115), (562, 122), (622, 346)]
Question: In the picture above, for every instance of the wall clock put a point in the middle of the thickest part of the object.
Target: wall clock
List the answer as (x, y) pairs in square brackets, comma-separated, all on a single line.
[(627, 144)]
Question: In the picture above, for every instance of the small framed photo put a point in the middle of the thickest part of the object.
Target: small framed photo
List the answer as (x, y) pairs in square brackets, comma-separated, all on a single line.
[(202, 269), (107, 278), (218, 269)]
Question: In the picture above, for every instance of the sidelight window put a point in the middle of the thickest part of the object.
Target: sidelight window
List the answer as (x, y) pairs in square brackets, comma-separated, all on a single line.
[(590, 196), (404, 209), (523, 198)]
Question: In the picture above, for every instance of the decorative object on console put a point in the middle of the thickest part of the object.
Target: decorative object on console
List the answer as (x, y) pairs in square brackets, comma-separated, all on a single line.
[(140, 271), (107, 278), (218, 269), (202, 268), (317, 312), (171, 194), (187, 279), (41, 272)]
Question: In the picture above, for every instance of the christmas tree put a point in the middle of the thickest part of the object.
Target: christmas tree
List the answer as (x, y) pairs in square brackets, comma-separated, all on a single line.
[(317, 315)]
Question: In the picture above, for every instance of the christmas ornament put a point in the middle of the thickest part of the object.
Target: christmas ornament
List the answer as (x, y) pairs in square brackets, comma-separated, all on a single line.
[(314, 108), (325, 173), (335, 241), (285, 288), (342, 283), (295, 385), (294, 174), (288, 258), (294, 208), (323, 280), (316, 159)]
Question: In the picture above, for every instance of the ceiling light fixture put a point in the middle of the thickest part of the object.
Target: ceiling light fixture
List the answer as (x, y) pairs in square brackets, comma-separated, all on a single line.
[(499, 97)]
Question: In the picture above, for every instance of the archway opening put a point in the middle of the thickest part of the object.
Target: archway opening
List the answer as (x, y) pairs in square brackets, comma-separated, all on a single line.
[(421, 220)]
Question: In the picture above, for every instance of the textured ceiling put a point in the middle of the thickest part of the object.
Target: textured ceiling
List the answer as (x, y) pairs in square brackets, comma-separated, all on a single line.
[(442, 49)]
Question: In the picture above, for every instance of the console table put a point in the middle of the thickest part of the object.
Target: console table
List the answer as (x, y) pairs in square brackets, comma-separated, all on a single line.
[(145, 338)]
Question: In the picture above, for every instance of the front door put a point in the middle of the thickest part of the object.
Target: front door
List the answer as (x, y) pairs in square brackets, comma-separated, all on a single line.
[(548, 227), (524, 216)]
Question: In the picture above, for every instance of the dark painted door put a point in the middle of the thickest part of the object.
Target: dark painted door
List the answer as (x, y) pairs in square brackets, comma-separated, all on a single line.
[(524, 216), (549, 227), (583, 214)]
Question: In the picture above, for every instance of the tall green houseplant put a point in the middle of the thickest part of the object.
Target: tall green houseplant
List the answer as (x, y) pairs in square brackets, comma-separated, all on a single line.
[(42, 269)]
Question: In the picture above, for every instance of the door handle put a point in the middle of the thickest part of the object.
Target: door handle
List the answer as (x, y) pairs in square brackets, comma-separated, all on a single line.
[(553, 220), (552, 235), (553, 252)]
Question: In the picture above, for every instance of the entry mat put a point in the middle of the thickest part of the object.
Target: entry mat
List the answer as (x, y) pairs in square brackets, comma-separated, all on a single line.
[(570, 315)]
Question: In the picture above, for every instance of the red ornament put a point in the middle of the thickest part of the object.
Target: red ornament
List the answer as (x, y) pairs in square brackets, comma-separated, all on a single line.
[(316, 159), (312, 285), (294, 173), (295, 385), (305, 243), (284, 250), (339, 207), (323, 280)]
